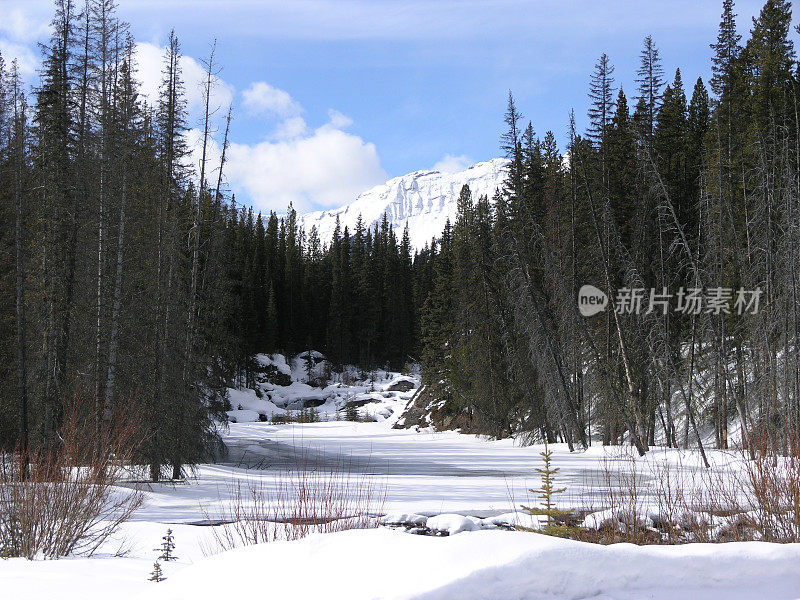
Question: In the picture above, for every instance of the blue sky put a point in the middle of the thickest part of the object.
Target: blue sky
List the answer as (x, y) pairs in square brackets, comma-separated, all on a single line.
[(331, 97)]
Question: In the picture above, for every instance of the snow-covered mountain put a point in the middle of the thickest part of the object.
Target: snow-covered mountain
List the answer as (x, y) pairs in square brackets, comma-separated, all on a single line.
[(423, 199)]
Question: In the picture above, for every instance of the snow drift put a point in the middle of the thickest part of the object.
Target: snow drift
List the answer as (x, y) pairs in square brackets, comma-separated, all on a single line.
[(488, 565)]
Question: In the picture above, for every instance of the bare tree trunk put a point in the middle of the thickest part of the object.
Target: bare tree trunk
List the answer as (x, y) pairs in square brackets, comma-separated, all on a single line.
[(108, 407), (688, 401), (636, 426), (197, 222), (215, 202), (19, 259), (107, 28)]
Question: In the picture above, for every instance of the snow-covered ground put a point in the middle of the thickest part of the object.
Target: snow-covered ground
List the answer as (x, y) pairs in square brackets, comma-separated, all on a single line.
[(449, 482), (489, 565)]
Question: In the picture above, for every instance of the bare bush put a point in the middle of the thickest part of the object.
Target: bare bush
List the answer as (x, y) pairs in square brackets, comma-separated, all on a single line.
[(62, 500), (772, 491), (697, 505), (755, 496), (621, 492), (296, 501)]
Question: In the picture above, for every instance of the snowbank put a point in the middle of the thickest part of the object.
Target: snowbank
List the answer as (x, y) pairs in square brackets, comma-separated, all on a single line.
[(487, 565), (403, 519), (452, 524)]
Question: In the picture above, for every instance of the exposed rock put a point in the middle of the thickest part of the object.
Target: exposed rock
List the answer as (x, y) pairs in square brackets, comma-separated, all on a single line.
[(271, 374), (360, 402), (426, 409), (402, 385), (309, 402), (313, 402), (417, 412)]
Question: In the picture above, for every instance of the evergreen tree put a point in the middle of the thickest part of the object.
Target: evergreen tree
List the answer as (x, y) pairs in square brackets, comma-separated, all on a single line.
[(546, 493), (157, 573), (339, 314), (650, 79), (670, 144), (698, 124), (726, 52), (601, 96), (167, 547), (437, 316), (622, 169)]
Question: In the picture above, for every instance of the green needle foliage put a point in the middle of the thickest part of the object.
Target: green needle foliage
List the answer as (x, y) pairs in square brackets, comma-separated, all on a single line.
[(167, 547), (157, 574), (555, 516)]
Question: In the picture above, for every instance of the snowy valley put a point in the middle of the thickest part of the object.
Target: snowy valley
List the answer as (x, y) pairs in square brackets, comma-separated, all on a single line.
[(440, 508), (572, 373)]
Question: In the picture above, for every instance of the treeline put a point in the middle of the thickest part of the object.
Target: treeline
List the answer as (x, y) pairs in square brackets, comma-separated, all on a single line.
[(111, 258), (695, 199), (351, 297), (130, 280), (131, 284)]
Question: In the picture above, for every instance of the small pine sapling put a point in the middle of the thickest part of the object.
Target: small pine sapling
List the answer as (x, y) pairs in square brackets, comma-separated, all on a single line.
[(309, 368), (351, 412), (167, 547), (555, 516), (157, 574)]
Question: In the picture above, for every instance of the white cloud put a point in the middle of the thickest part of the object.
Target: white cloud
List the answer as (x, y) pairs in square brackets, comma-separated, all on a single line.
[(194, 139), (338, 120), (262, 98), (149, 63), (453, 164), (19, 25), (27, 61), (290, 128), (148, 70), (323, 167), (326, 168)]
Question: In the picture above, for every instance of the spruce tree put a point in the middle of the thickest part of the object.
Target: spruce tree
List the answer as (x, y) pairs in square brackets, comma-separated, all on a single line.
[(547, 493), (437, 316), (157, 574), (650, 79), (167, 547), (601, 97), (339, 316), (698, 122), (670, 144), (726, 52), (622, 170)]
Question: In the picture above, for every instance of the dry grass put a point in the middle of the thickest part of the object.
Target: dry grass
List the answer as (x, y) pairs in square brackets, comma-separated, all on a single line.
[(293, 502), (620, 489)]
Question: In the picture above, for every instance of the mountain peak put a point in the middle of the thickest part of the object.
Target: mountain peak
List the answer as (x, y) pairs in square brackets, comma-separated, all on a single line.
[(422, 199)]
